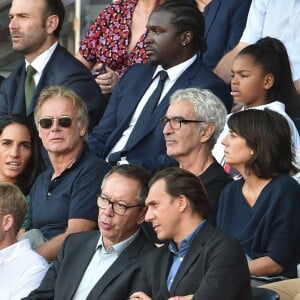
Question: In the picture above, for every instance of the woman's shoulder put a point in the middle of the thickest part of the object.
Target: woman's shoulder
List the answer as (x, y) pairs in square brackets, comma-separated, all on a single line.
[(286, 180)]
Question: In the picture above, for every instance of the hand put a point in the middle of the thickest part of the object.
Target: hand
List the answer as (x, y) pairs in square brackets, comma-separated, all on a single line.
[(188, 297), (108, 80), (139, 296)]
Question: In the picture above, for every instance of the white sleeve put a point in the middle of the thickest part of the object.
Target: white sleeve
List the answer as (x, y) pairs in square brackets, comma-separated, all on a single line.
[(29, 281), (255, 21)]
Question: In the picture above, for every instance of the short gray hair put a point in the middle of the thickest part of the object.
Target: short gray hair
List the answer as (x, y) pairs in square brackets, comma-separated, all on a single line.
[(208, 108)]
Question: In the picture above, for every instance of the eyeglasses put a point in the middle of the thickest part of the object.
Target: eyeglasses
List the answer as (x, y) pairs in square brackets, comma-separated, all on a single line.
[(175, 122), (63, 121), (117, 207)]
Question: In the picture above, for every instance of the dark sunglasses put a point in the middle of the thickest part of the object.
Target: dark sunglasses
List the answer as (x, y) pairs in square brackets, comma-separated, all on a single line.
[(63, 121)]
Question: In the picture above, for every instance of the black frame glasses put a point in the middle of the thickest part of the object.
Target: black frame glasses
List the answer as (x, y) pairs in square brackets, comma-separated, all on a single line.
[(118, 208), (63, 121), (175, 122)]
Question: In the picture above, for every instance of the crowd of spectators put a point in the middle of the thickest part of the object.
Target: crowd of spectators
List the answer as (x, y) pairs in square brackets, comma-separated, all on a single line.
[(116, 165)]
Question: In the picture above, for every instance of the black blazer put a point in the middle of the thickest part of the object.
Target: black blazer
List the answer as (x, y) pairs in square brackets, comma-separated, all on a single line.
[(63, 277), (214, 268), (148, 148), (61, 69)]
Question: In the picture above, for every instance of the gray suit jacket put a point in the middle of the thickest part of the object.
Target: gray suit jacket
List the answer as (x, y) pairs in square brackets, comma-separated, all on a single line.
[(62, 279)]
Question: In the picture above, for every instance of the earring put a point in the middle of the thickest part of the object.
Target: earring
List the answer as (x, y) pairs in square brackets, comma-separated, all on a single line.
[(183, 44)]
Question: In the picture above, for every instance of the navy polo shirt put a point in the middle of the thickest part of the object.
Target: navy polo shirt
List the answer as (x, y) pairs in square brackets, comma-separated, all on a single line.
[(72, 195)]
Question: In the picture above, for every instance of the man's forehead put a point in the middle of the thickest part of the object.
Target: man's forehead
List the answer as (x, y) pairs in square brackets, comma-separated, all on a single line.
[(25, 6), (119, 186), (160, 18), (157, 191)]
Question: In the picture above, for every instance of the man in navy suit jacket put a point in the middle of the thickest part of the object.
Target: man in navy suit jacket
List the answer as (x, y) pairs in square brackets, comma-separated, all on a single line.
[(119, 248), (176, 30), (34, 27), (225, 21)]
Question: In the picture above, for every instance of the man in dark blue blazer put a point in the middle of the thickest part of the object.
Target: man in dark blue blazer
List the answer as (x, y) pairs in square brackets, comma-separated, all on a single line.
[(176, 30), (37, 38), (104, 265), (225, 21)]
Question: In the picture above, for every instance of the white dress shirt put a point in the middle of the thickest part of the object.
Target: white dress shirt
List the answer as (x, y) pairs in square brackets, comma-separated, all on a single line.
[(40, 63), (99, 264), (21, 270)]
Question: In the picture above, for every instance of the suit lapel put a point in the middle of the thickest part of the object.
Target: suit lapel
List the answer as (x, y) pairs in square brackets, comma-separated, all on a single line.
[(127, 115), (165, 266), (19, 82), (86, 255), (43, 82), (192, 254), (127, 257), (210, 14)]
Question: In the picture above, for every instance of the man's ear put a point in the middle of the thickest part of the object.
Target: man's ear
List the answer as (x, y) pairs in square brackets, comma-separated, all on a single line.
[(82, 130), (142, 215), (207, 132), (186, 38), (7, 222), (181, 203), (52, 23)]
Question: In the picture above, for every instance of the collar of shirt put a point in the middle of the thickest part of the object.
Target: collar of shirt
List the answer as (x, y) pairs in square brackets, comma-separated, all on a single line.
[(119, 247), (186, 242), (84, 149), (40, 62), (275, 105), (9, 253), (175, 72)]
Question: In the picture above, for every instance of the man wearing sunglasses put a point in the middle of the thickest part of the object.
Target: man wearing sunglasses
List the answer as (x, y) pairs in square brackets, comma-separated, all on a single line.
[(104, 264), (62, 199)]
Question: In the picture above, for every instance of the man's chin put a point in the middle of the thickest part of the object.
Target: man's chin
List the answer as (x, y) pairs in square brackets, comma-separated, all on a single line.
[(153, 60)]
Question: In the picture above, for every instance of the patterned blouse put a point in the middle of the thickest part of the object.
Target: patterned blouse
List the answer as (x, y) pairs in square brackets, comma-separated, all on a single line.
[(108, 38)]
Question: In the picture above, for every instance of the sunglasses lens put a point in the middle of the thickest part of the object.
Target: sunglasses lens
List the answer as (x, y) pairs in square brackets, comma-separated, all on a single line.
[(65, 122), (46, 123)]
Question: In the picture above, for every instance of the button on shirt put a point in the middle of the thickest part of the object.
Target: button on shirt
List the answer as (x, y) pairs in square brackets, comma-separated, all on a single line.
[(260, 23), (179, 254), (99, 264), (21, 270)]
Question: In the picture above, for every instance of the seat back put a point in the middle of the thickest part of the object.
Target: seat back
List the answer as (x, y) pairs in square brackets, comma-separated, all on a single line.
[(263, 294)]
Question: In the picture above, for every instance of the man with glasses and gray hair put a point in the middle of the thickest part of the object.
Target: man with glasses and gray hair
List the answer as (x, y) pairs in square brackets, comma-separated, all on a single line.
[(62, 199), (193, 122), (104, 264)]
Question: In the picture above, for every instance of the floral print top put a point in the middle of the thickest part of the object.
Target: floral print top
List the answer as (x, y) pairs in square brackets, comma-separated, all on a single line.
[(108, 38)]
